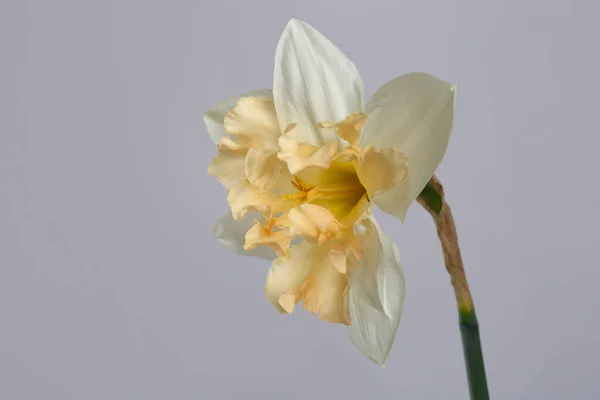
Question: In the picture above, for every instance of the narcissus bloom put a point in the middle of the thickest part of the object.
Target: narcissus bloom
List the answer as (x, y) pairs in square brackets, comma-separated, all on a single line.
[(304, 163)]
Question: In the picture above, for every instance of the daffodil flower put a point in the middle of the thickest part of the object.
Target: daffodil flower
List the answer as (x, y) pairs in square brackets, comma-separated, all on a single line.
[(304, 163)]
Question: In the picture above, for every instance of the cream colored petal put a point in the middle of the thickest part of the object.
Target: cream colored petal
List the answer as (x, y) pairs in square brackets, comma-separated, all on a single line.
[(229, 166), (349, 129), (309, 276), (412, 113), (232, 233), (287, 302), (286, 277), (345, 252), (254, 122), (376, 297), (381, 170), (299, 156), (229, 143), (264, 235), (338, 259), (262, 168), (314, 223), (313, 82), (283, 183), (215, 117), (243, 197), (325, 293)]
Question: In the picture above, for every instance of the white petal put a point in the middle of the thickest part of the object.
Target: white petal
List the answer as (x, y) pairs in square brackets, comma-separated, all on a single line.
[(314, 82), (376, 295), (232, 234), (412, 113), (214, 117)]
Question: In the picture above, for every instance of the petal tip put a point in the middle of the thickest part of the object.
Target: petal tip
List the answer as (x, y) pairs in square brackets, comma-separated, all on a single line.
[(295, 23), (217, 229)]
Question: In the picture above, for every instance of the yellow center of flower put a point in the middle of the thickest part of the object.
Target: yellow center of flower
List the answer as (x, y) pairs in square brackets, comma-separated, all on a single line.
[(336, 188), (308, 193)]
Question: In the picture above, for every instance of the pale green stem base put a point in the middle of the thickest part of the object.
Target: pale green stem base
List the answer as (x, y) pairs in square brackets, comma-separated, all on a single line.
[(469, 331)]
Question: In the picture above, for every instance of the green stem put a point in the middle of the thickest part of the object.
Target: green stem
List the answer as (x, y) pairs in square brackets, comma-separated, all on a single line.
[(432, 199), (469, 331)]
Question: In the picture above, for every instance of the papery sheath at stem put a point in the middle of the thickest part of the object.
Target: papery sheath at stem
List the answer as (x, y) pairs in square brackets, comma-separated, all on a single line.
[(432, 199)]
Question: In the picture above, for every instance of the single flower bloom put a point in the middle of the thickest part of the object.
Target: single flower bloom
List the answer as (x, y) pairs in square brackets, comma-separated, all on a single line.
[(304, 163)]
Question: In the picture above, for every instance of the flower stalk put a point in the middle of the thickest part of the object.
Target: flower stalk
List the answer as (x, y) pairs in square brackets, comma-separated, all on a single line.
[(432, 199)]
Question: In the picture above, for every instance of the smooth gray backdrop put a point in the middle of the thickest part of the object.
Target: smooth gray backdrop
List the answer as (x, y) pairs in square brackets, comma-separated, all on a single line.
[(112, 287)]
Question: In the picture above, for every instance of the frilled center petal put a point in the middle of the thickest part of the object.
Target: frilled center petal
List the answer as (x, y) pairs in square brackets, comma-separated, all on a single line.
[(309, 276), (303, 191)]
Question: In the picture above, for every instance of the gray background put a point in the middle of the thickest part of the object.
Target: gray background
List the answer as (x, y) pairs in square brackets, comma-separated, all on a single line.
[(111, 286)]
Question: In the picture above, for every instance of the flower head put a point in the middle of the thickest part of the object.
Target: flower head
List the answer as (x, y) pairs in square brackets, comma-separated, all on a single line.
[(304, 163)]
